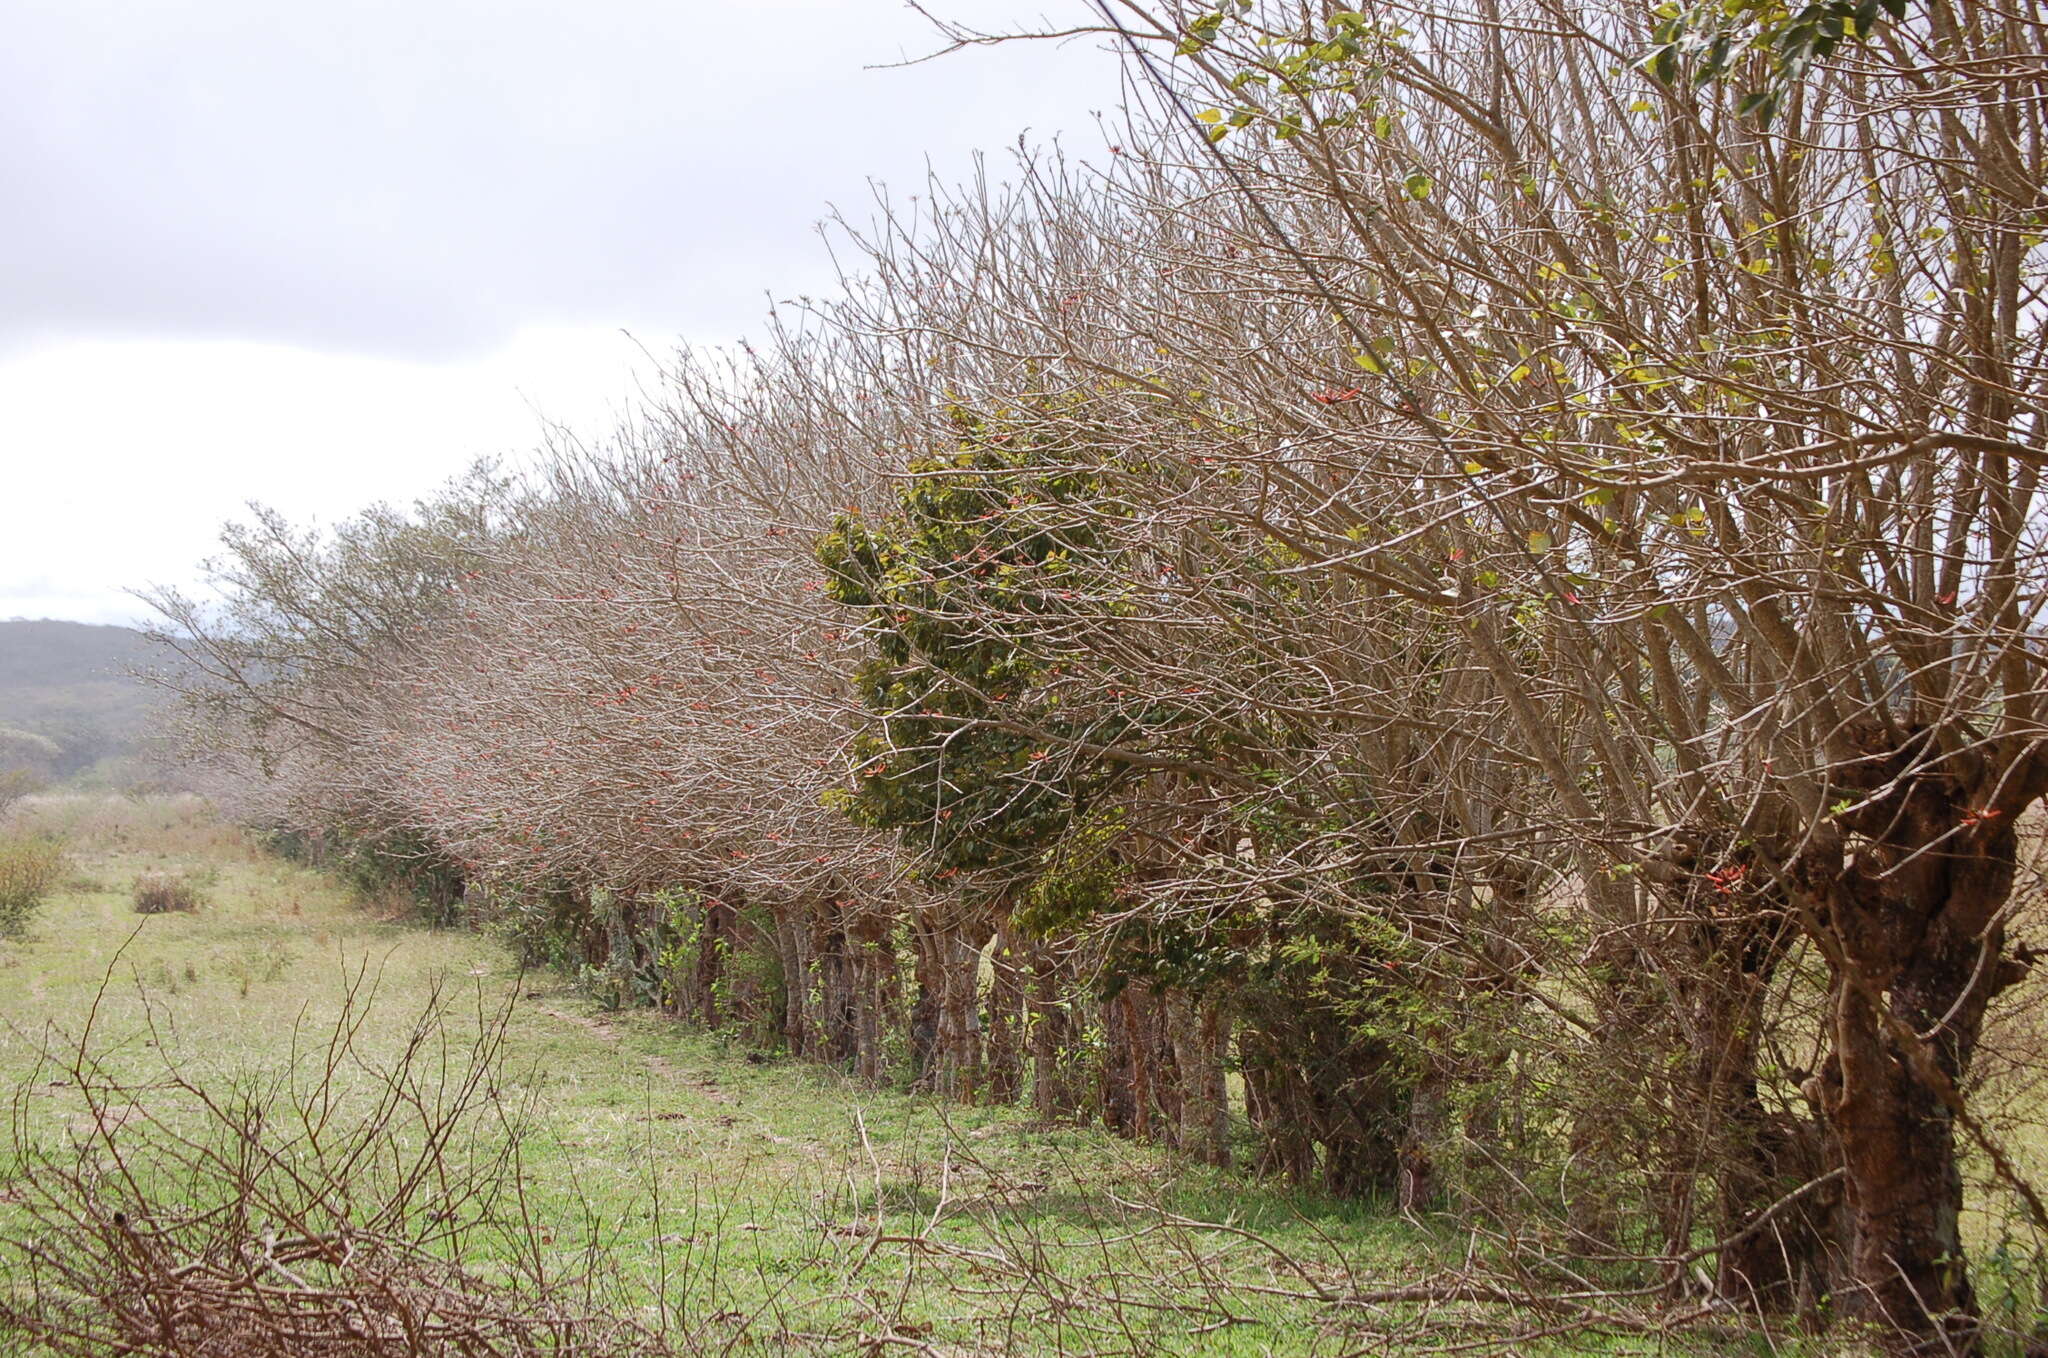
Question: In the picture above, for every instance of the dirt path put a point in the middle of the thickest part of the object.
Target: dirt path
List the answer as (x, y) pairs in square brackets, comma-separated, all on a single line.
[(604, 1030)]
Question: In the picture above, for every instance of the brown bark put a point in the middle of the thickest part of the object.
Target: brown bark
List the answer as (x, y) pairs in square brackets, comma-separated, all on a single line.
[(1331, 1103), (1277, 1111), (949, 941), (714, 942), (792, 944), (1197, 1032), (1140, 1080), (1727, 954), (1055, 1090), (1912, 921), (1416, 1184), (1006, 1012), (873, 971), (835, 987)]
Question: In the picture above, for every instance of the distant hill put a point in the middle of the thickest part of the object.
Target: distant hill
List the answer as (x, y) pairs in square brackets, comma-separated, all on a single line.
[(69, 684)]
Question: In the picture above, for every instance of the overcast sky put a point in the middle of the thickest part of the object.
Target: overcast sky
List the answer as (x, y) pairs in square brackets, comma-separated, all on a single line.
[(322, 255)]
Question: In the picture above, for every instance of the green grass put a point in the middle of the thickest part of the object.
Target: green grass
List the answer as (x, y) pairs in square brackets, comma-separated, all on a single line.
[(757, 1206)]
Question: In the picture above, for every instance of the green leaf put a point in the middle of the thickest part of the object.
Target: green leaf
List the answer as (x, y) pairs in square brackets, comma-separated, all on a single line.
[(1201, 33), (1372, 357), (1417, 185)]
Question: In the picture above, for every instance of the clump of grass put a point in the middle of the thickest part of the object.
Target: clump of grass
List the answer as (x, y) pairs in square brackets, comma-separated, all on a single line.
[(160, 893), (29, 867), (258, 962)]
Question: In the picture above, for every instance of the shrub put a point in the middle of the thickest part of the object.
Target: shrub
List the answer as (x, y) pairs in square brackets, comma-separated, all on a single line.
[(159, 893), (28, 869)]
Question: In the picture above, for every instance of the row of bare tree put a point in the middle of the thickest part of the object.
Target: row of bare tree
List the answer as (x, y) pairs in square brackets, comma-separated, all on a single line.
[(1494, 592)]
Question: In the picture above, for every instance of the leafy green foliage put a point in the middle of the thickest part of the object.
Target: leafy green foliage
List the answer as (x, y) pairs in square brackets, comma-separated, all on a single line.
[(547, 926), (1333, 1015), (400, 861), (1201, 32), (1080, 877), (1344, 56), (991, 561), (1333, 1032), (1706, 42)]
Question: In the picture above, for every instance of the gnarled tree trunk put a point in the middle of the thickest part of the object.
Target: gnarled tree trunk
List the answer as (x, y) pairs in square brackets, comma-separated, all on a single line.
[(1912, 919)]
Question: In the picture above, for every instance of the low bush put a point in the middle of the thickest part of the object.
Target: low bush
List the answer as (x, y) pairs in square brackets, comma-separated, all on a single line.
[(160, 893), (29, 868)]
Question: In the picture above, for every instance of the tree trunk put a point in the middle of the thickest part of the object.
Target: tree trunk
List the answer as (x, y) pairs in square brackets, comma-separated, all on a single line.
[(1124, 1092), (1914, 919), (1055, 1092), (835, 984), (792, 941), (1898, 1139), (714, 942), (959, 1014), (950, 938), (1275, 1107), (1738, 934), (926, 969), (1141, 1086), (1195, 1029), (1006, 1016), (1415, 1186), (1799, 1255), (873, 967)]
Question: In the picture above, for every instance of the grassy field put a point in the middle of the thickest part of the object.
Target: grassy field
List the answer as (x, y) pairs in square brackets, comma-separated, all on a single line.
[(735, 1204)]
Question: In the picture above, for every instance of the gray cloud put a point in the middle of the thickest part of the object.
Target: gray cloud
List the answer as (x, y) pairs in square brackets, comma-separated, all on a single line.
[(422, 177), (319, 255)]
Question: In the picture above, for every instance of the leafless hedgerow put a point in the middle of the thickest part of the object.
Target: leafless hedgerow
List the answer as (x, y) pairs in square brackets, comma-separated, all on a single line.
[(1698, 456), (1492, 591)]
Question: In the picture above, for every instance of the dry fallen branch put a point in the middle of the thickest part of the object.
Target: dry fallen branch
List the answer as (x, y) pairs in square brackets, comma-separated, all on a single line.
[(358, 1201)]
